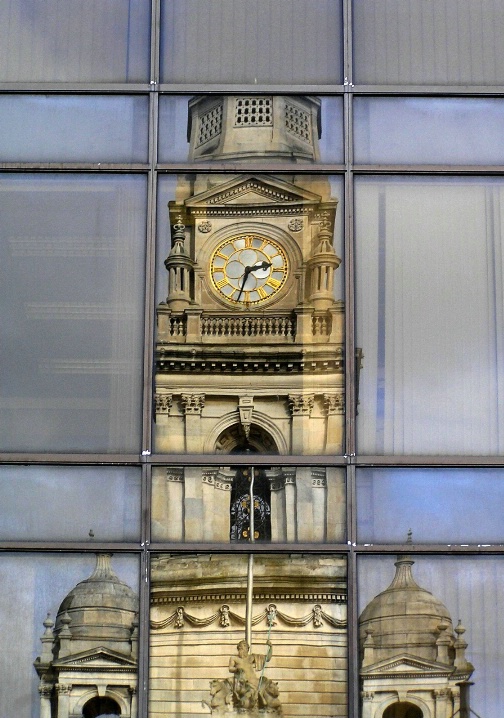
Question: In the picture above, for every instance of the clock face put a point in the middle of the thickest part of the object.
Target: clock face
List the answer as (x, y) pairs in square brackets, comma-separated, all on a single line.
[(248, 269)]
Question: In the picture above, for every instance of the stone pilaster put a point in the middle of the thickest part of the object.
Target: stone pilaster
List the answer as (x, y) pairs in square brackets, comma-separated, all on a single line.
[(367, 704), (334, 405), (63, 691), (45, 690), (301, 407), (290, 506), (192, 405), (174, 486), (441, 698)]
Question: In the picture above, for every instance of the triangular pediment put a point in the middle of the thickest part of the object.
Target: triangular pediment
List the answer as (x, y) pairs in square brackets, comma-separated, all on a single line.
[(253, 190), (405, 663), (97, 658)]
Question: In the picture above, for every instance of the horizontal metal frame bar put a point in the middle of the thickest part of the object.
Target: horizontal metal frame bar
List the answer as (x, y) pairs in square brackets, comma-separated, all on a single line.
[(71, 547), (71, 458), (426, 461), (103, 167), (434, 90), (242, 89), (248, 89), (412, 170), (77, 88), (226, 168), (267, 168), (243, 548), (359, 460)]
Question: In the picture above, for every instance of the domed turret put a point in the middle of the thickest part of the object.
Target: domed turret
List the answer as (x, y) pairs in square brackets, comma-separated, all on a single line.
[(101, 610), (406, 618)]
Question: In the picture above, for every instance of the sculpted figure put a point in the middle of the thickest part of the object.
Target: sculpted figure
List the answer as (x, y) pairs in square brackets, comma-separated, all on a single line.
[(249, 691), (221, 695), (252, 690)]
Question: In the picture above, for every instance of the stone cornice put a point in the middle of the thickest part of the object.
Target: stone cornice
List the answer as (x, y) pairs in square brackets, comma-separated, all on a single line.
[(187, 359), (159, 597)]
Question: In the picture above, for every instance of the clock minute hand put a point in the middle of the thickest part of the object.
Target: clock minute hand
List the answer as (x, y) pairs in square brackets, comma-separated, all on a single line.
[(245, 275), (248, 270)]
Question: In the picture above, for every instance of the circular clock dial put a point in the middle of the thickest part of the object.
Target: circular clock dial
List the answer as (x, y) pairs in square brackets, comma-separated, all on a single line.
[(248, 269)]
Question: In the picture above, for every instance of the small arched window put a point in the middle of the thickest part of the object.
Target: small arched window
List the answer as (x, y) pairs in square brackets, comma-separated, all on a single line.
[(403, 710), (101, 708)]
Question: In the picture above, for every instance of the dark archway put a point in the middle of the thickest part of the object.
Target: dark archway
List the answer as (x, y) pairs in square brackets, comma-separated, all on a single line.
[(101, 708), (233, 441), (240, 506), (403, 710)]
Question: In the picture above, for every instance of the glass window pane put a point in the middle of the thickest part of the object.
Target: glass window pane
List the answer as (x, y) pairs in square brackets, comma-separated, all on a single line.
[(429, 315), (72, 299), (74, 41), (71, 128), (270, 41), (92, 604), (212, 504), (69, 503), (324, 124), (467, 507), (436, 42), (249, 359), (447, 131), (440, 621), (199, 634)]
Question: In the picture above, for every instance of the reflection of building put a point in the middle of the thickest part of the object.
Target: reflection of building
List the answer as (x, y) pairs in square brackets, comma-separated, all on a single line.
[(249, 358), (413, 665), (88, 665), (249, 351), (198, 618)]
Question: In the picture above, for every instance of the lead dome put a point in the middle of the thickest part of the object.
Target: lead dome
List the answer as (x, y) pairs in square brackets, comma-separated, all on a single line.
[(102, 607), (405, 617)]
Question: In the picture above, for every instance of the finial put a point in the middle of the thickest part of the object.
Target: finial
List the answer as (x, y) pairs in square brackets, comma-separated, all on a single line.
[(409, 540), (459, 628)]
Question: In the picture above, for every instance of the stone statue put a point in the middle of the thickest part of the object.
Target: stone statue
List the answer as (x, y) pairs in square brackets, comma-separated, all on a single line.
[(250, 692)]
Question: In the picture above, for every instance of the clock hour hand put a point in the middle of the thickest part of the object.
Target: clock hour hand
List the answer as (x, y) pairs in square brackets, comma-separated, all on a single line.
[(261, 265)]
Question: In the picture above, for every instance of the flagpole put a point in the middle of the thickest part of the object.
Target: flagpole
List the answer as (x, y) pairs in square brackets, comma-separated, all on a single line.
[(250, 571)]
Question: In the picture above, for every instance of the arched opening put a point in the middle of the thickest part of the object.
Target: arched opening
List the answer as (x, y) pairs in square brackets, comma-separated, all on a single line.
[(403, 710), (233, 441), (99, 707), (240, 506)]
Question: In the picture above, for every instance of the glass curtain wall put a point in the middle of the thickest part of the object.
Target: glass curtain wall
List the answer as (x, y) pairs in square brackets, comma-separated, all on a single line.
[(251, 351)]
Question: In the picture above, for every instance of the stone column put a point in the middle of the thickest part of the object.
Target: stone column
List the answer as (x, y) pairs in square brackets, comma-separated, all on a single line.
[(367, 704), (222, 505), (63, 690), (290, 505), (192, 405), (304, 494), (209, 511), (174, 486), (334, 405), (319, 497), (301, 406), (194, 516), (45, 700), (441, 698), (336, 507), (134, 701), (278, 510)]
